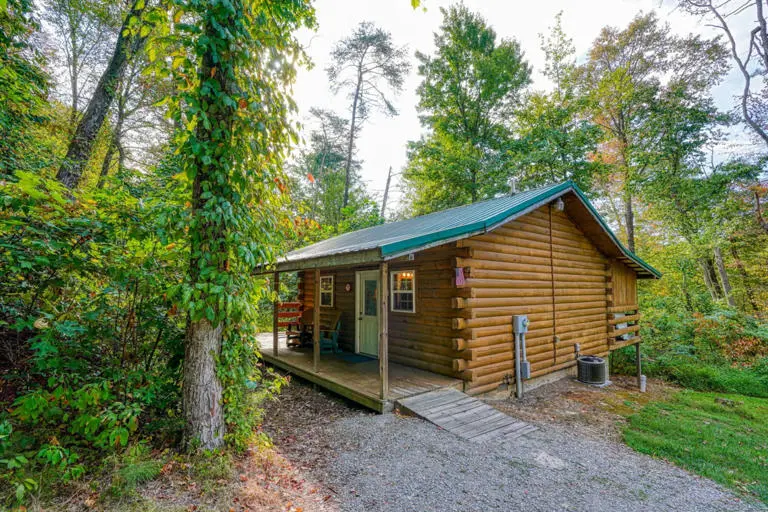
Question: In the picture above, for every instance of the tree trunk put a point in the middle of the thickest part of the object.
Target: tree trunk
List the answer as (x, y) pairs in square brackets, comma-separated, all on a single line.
[(107, 163), (114, 142), (202, 397), (710, 278), (745, 278), (686, 293), (202, 389), (724, 277), (386, 193), (81, 145), (73, 87), (351, 143), (629, 220)]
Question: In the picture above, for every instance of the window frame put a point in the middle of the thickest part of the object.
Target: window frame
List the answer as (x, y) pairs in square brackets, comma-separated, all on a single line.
[(332, 290), (392, 291)]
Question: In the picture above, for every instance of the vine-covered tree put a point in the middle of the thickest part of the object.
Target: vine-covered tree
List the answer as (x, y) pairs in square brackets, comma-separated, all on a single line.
[(234, 134), (364, 65), (470, 90)]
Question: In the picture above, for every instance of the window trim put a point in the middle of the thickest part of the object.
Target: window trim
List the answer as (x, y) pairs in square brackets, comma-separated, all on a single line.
[(332, 291), (392, 291)]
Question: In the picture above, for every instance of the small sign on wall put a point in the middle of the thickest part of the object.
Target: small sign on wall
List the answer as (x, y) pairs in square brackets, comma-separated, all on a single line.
[(460, 276), (348, 287)]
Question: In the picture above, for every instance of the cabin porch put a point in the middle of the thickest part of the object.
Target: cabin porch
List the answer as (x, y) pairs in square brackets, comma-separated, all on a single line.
[(353, 376)]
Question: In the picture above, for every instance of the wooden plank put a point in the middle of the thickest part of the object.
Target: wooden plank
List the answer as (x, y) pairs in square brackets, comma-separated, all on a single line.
[(504, 431), (462, 415), (428, 400), (453, 407)]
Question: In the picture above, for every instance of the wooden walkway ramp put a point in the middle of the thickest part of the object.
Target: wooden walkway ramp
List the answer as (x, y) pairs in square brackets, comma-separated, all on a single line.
[(464, 415)]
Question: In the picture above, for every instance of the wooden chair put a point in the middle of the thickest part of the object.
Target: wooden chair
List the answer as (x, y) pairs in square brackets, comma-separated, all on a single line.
[(301, 333), (330, 324)]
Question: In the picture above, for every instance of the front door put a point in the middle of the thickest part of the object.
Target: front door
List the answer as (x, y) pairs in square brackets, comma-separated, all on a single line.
[(367, 303)]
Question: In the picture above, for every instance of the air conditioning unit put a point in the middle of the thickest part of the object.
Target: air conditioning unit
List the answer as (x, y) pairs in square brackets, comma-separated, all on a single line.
[(592, 370)]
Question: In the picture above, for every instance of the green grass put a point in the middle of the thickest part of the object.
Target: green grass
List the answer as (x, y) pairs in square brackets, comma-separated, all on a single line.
[(725, 442)]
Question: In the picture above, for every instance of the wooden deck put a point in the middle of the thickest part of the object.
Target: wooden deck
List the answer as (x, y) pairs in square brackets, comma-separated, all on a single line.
[(354, 377)]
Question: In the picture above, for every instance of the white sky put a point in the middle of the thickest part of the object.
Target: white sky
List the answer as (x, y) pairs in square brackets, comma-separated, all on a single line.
[(383, 140)]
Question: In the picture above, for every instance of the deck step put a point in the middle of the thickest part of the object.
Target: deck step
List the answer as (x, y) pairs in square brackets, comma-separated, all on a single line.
[(463, 415)]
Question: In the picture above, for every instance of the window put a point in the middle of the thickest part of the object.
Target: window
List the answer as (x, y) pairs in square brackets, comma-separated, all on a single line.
[(403, 287), (326, 291)]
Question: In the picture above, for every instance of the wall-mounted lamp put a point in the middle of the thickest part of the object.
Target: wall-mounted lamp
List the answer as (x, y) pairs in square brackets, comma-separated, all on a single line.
[(559, 205)]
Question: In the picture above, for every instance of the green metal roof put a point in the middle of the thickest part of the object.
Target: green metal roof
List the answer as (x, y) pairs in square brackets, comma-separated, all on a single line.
[(388, 241)]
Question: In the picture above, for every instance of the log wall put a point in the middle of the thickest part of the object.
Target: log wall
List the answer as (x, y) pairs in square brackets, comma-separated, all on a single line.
[(422, 339), (541, 265)]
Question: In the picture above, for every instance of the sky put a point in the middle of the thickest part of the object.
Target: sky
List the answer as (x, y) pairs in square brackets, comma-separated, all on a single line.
[(382, 142)]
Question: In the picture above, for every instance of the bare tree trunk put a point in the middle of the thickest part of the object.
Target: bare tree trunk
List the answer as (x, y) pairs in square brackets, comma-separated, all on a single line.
[(73, 81), (710, 278), (386, 193), (351, 143), (202, 389), (81, 145), (743, 63), (745, 278), (724, 277)]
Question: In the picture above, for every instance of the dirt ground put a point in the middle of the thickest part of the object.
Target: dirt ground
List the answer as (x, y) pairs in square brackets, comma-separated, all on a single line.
[(597, 412)]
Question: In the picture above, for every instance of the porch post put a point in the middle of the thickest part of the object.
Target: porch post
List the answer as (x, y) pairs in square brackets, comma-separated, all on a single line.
[(639, 365), (383, 330), (275, 310), (316, 323)]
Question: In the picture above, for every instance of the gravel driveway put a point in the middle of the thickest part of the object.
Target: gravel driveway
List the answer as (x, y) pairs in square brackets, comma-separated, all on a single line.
[(372, 462), (406, 464)]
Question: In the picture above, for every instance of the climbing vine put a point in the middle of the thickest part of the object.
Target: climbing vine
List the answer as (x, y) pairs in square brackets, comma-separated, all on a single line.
[(233, 62)]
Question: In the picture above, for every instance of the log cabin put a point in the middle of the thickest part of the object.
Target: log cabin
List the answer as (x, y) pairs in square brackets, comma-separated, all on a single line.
[(428, 302)]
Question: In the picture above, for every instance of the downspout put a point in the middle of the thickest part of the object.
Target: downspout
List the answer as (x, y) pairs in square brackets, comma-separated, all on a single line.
[(522, 366)]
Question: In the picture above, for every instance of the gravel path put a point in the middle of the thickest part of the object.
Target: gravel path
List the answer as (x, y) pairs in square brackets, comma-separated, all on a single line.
[(406, 464)]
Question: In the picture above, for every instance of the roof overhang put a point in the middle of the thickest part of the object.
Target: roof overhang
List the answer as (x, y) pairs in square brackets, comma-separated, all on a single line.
[(346, 259)]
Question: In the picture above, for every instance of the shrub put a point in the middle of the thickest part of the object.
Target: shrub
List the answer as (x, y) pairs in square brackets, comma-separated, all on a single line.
[(724, 351)]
